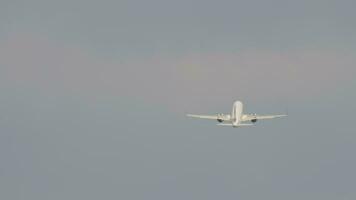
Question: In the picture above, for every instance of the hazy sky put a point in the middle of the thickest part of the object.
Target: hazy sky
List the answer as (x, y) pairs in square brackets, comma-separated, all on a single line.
[(94, 95)]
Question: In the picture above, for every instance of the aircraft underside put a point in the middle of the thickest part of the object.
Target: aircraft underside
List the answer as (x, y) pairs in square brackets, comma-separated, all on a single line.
[(237, 117)]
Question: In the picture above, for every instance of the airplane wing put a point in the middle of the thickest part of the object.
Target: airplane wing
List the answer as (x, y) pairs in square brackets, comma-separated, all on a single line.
[(219, 117), (215, 117), (258, 117)]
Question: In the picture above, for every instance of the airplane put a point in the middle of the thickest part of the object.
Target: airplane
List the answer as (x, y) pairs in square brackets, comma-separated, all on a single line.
[(237, 117)]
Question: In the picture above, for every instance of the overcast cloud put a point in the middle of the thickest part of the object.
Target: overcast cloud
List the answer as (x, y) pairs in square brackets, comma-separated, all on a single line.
[(94, 93)]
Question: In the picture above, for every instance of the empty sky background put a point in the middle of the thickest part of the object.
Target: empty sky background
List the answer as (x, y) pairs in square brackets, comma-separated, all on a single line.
[(93, 96)]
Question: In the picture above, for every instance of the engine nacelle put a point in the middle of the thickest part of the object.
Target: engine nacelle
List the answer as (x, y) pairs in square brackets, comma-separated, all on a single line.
[(253, 120), (220, 118)]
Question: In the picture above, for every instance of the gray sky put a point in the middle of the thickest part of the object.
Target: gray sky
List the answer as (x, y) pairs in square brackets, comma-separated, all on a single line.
[(93, 97)]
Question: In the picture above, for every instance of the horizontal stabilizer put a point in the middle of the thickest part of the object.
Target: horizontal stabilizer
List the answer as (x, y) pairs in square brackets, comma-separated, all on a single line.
[(238, 125)]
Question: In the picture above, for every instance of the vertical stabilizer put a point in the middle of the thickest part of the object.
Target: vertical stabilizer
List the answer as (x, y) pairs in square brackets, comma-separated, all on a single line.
[(236, 114)]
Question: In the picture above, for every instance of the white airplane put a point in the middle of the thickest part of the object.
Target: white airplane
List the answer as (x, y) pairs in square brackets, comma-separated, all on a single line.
[(237, 117)]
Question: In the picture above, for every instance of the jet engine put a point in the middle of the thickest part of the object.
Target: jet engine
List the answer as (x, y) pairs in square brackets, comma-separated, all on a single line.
[(220, 118), (255, 119)]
